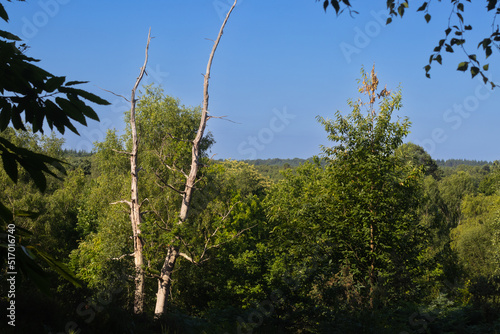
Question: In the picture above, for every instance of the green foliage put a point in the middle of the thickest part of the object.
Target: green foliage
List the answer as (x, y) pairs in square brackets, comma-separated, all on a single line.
[(345, 236), (42, 97), (417, 157)]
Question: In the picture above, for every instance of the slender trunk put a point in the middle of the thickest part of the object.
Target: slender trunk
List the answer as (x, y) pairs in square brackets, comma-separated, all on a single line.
[(135, 219), (372, 265), (135, 206), (173, 253), (165, 280)]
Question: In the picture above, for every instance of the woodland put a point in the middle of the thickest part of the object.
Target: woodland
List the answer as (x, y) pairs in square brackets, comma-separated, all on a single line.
[(147, 234)]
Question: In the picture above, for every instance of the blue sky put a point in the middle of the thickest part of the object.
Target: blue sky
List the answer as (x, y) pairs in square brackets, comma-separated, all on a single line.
[(279, 65)]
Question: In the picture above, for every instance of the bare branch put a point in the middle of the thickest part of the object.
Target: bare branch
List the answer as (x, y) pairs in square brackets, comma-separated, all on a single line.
[(143, 68), (121, 257), (223, 118), (123, 97), (195, 151), (175, 189), (142, 202), (165, 184), (121, 152), (187, 257), (192, 255), (179, 139), (234, 237), (175, 169), (122, 201), (230, 210)]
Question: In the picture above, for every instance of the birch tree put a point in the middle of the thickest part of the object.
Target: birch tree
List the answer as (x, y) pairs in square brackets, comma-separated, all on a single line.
[(173, 252), (135, 206)]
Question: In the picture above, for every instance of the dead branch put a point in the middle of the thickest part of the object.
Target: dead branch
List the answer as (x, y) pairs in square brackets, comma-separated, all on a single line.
[(122, 201), (223, 118), (187, 257), (142, 202), (192, 255), (121, 257), (121, 152), (195, 151), (178, 139), (166, 185), (123, 97)]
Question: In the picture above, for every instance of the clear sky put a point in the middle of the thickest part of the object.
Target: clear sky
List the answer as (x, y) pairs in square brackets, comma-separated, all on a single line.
[(279, 65)]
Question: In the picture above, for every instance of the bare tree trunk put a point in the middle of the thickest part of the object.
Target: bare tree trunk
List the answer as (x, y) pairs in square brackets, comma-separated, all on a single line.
[(135, 206), (191, 179), (165, 280)]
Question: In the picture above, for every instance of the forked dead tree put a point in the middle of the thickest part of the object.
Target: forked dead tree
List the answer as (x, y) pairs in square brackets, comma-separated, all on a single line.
[(173, 253)]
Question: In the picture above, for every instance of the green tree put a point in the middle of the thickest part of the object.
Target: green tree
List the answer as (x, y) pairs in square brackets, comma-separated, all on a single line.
[(418, 157), (453, 189), (473, 238), (347, 235), (377, 196)]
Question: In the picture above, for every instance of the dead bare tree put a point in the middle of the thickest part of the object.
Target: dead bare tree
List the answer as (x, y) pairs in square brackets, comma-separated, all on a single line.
[(135, 206), (173, 253)]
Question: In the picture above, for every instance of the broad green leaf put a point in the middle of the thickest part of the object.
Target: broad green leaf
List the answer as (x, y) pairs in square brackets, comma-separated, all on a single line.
[(86, 95), (71, 110), (10, 165), (8, 35), (57, 266), (421, 8), (335, 5), (491, 4), (463, 66), (54, 83), (85, 109), (5, 113), (3, 13), (488, 51), (71, 83), (474, 71)]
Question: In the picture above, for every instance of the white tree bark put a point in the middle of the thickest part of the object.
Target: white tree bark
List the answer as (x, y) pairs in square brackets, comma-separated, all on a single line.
[(135, 206), (168, 266)]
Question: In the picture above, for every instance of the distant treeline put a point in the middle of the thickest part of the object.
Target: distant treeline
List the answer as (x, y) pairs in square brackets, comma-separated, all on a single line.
[(295, 162), (457, 162), (76, 153)]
